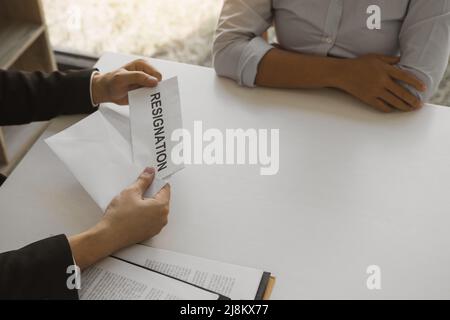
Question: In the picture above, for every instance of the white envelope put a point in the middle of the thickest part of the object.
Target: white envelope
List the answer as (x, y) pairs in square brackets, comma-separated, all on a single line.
[(98, 150)]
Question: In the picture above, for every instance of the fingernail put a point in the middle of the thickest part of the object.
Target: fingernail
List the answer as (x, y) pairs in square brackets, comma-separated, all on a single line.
[(149, 171), (153, 78)]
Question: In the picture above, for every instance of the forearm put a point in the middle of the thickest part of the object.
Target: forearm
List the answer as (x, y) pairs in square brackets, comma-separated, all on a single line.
[(285, 69), (92, 246)]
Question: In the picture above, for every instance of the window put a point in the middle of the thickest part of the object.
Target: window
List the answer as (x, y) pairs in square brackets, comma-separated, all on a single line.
[(180, 30)]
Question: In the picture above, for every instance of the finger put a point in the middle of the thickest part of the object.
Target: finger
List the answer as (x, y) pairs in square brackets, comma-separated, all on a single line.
[(144, 181), (381, 106), (164, 194), (149, 69), (395, 102), (388, 59), (404, 94), (144, 66), (139, 79), (407, 77)]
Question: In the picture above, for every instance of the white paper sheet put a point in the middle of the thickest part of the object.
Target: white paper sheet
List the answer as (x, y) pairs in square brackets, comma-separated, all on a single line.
[(235, 282), (98, 150), (112, 279), (151, 139)]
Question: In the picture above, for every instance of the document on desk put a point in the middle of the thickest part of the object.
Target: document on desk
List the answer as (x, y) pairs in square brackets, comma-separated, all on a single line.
[(112, 279), (232, 281), (105, 157)]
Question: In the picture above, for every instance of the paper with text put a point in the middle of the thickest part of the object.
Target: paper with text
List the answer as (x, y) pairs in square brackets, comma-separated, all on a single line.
[(235, 282), (112, 279), (154, 114)]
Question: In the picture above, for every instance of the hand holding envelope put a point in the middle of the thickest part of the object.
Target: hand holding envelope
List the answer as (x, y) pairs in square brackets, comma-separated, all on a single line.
[(107, 150)]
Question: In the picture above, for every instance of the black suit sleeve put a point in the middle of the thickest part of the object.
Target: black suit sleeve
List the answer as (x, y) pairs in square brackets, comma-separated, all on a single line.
[(37, 271), (36, 96)]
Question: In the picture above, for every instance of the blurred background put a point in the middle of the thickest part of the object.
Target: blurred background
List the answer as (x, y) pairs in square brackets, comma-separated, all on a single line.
[(180, 30)]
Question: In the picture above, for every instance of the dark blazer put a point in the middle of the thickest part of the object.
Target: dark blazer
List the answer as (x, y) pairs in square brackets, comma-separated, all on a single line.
[(27, 97), (38, 271)]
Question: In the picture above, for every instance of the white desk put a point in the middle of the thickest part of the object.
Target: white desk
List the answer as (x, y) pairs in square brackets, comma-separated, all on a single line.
[(355, 188)]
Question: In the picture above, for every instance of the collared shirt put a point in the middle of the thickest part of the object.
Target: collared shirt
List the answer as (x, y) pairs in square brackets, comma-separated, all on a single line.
[(417, 30)]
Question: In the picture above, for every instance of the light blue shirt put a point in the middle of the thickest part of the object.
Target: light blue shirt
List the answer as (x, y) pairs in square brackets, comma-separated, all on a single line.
[(417, 30)]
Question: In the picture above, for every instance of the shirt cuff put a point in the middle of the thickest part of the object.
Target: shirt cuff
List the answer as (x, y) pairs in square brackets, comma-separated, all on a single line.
[(250, 58), (90, 89)]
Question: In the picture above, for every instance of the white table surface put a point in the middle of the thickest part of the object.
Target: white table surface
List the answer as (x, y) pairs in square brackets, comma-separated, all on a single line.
[(355, 188)]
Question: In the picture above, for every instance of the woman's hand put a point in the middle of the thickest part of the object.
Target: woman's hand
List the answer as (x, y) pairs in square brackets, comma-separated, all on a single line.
[(114, 86), (374, 79), (128, 220)]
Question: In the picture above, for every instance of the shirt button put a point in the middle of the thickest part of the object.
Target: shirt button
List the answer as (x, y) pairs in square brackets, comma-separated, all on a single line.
[(329, 40)]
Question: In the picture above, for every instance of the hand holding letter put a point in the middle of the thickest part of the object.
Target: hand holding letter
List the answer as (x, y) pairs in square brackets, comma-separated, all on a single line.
[(114, 86), (129, 219)]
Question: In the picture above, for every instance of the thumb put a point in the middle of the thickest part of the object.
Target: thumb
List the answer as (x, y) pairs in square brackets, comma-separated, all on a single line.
[(144, 181)]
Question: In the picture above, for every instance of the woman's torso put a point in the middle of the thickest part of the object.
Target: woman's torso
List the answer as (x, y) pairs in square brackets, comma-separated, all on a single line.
[(339, 27)]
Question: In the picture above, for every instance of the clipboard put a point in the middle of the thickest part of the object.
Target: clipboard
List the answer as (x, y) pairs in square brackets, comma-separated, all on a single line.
[(263, 293), (265, 287), (269, 288)]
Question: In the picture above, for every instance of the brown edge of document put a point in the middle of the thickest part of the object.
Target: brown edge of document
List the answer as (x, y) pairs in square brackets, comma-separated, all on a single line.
[(269, 289), (3, 151)]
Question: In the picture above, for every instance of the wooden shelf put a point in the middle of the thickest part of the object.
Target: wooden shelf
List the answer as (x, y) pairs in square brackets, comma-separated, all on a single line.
[(24, 45), (18, 140), (15, 39)]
